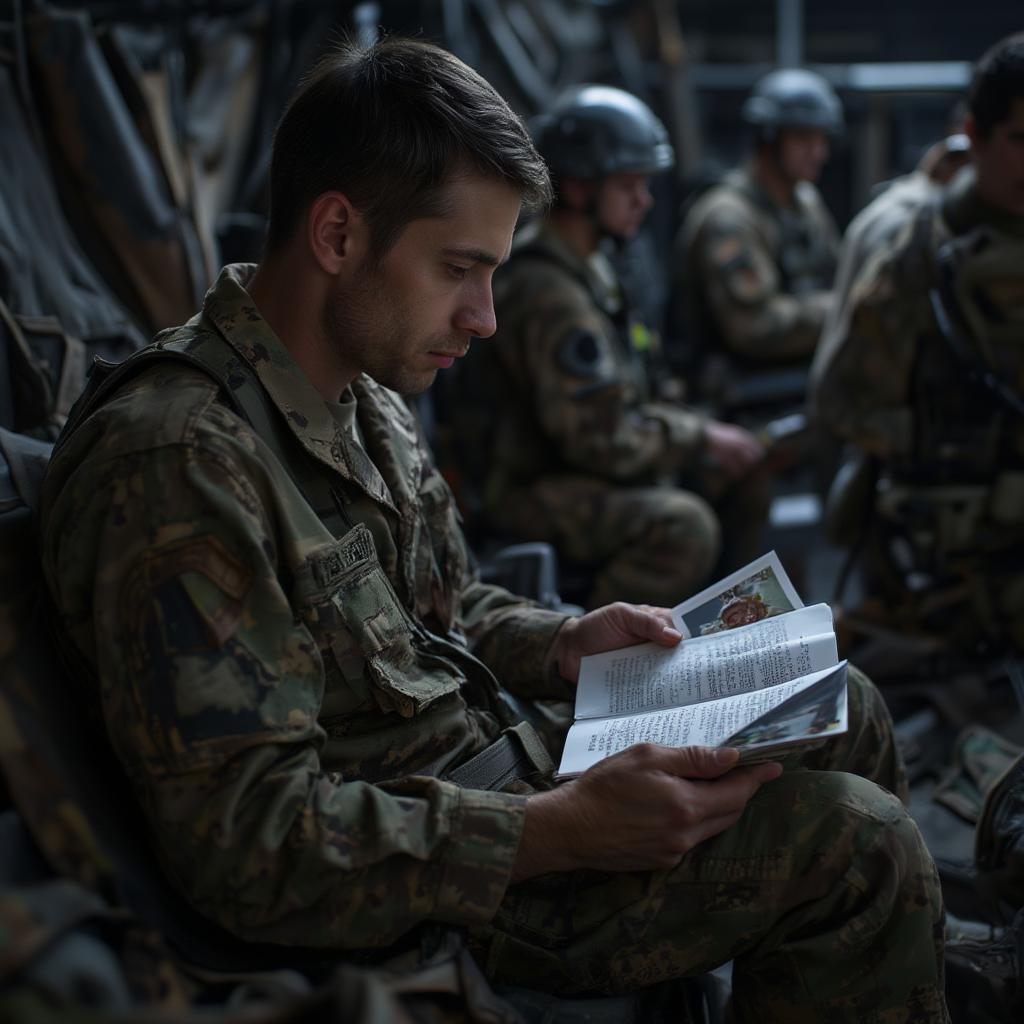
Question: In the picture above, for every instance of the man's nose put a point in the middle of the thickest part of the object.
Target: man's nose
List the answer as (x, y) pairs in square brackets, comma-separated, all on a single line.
[(476, 315)]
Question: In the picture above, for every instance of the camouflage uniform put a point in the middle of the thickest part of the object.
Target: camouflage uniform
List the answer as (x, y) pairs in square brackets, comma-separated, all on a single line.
[(286, 705), (951, 452), (752, 278), (871, 230), (581, 456)]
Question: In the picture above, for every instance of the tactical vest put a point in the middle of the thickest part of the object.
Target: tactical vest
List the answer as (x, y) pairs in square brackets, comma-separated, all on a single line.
[(637, 342), (969, 367), (805, 263)]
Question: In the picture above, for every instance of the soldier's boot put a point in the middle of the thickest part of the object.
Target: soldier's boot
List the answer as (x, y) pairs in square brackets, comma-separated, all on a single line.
[(985, 974)]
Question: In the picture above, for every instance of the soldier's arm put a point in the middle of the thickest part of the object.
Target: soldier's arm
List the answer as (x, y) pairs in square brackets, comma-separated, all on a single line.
[(860, 386), (211, 685), (755, 317), (588, 408)]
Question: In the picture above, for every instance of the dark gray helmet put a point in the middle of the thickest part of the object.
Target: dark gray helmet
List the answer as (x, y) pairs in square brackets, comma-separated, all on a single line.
[(793, 98), (596, 130)]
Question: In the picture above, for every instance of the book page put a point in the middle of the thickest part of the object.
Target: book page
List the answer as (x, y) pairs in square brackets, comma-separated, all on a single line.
[(817, 711), (757, 591), (649, 677), (711, 723)]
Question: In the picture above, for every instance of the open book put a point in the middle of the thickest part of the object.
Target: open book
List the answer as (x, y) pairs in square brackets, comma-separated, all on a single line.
[(758, 671)]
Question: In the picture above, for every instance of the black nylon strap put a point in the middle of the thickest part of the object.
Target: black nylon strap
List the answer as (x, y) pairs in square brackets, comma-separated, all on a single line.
[(516, 754)]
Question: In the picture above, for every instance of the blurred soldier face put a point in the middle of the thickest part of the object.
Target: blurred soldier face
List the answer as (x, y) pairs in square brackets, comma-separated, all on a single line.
[(999, 160), (401, 320), (623, 202), (801, 153)]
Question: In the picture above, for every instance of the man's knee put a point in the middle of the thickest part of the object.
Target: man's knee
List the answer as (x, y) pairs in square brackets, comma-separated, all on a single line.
[(852, 824), (681, 527)]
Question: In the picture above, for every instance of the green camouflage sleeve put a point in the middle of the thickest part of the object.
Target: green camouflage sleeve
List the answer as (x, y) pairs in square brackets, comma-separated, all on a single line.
[(514, 639), (860, 388), (166, 564), (590, 408), (741, 284)]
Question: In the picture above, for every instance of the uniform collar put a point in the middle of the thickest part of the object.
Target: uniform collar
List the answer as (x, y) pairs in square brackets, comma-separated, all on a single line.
[(230, 308)]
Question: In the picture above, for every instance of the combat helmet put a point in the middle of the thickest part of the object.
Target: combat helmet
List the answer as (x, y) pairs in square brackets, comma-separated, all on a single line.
[(793, 98), (596, 130)]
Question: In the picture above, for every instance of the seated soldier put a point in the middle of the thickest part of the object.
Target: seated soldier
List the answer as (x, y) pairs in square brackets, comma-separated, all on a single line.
[(582, 455), (923, 373), (252, 552), (756, 254)]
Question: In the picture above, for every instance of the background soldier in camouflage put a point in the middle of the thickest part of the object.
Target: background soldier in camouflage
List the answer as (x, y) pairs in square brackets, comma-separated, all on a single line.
[(876, 226), (755, 256), (252, 551), (582, 454), (924, 373)]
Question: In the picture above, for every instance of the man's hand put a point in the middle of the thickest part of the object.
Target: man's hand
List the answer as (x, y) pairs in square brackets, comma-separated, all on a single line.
[(639, 810), (733, 448), (608, 628)]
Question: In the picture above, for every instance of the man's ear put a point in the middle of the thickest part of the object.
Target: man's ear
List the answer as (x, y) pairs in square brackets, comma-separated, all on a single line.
[(337, 234)]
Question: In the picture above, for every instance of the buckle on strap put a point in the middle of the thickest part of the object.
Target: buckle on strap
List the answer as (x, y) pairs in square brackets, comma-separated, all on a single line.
[(516, 754)]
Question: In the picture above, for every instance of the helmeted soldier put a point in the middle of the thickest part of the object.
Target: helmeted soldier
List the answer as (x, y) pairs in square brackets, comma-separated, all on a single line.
[(924, 374), (755, 255), (583, 454), (260, 572)]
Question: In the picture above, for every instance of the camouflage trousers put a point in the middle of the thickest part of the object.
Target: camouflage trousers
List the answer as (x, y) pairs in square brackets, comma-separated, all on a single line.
[(823, 895), (650, 545)]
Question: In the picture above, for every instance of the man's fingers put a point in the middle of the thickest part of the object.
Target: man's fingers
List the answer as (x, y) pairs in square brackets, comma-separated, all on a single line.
[(654, 624), (701, 762)]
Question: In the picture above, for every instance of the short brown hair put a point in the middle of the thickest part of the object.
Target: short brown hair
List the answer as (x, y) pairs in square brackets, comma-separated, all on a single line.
[(998, 80), (388, 125)]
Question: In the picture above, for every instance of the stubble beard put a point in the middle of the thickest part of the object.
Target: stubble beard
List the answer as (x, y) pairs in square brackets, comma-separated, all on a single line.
[(370, 336)]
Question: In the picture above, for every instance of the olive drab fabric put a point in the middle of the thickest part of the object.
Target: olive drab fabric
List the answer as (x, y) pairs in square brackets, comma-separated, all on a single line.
[(871, 231), (579, 453), (936, 406), (752, 280)]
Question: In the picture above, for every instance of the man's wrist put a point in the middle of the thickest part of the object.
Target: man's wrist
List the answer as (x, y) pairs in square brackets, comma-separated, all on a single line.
[(543, 844), (561, 647)]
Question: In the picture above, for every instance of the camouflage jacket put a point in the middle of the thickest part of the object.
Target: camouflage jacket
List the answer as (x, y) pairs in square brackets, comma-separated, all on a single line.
[(872, 230), (754, 277), (570, 391), (286, 702), (890, 383)]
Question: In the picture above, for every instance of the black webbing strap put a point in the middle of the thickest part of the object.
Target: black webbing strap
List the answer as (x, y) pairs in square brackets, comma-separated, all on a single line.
[(517, 753)]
